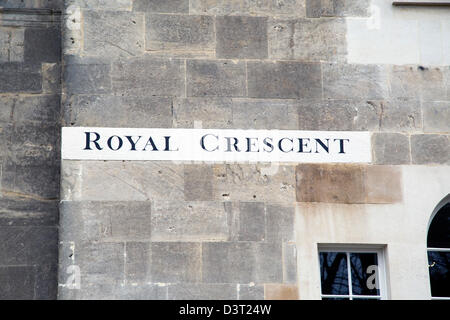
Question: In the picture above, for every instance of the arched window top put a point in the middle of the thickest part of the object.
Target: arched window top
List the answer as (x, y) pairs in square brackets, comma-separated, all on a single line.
[(438, 233)]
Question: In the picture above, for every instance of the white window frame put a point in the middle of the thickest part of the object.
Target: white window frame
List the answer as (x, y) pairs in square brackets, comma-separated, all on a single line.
[(347, 249), (439, 250)]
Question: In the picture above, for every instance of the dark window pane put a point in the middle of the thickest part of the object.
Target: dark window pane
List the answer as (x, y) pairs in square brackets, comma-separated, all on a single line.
[(334, 298), (364, 274), (367, 298), (439, 232), (439, 266), (333, 273)]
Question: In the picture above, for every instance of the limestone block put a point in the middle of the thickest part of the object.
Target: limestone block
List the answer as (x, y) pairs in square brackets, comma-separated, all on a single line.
[(113, 33), (198, 182), (20, 212), (174, 262), (241, 262), (284, 80), (224, 78), (51, 78), (42, 45), (179, 33), (42, 108), (252, 217), (351, 81), (383, 184), (436, 116), (100, 262), (11, 44), (143, 111), (17, 282), (250, 292), (337, 8), (19, 77), (265, 114), (161, 6), (289, 263), (127, 181), (197, 291), (279, 223), (138, 262), (203, 112), (338, 115), (189, 221), (250, 182), (330, 183), (348, 183), (142, 291), (241, 37), (101, 4), (87, 76), (430, 149), (159, 77), (398, 115), (308, 39), (391, 148), (19, 245), (280, 292), (249, 7)]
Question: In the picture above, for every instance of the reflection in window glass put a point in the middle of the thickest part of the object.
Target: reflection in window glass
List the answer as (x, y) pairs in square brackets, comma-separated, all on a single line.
[(364, 269), (439, 266), (350, 275), (334, 274)]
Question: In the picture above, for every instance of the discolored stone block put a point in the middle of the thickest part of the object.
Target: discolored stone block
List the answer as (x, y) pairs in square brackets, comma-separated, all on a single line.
[(126, 181), (252, 221), (330, 183), (383, 184), (19, 245), (194, 291), (205, 112), (46, 286), (430, 149), (391, 148), (351, 81), (90, 76), (42, 45), (337, 115), (308, 39), (284, 80), (337, 8), (138, 262), (101, 4), (215, 78), (265, 114), (43, 108), (143, 111), (21, 212), (17, 282), (113, 33), (189, 221), (51, 78), (100, 262), (179, 33), (198, 181), (250, 182), (228, 262), (162, 6), (241, 37), (436, 116), (249, 7), (18, 77), (398, 115), (280, 292), (157, 77), (279, 223), (174, 262), (241, 262)]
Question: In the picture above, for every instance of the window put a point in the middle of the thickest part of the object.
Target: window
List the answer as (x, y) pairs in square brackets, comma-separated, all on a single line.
[(352, 273), (438, 244)]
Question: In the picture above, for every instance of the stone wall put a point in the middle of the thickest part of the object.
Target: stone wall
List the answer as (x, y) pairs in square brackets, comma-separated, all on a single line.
[(30, 61), (164, 230)]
